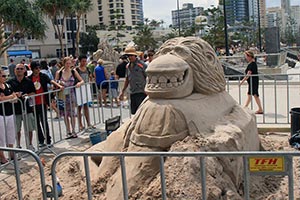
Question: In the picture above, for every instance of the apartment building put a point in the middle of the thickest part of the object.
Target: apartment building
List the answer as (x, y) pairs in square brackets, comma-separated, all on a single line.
[(108, 13), (187, 15)]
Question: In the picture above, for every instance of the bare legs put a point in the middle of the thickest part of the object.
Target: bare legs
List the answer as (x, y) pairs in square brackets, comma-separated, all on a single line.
[(103, 95), (257, 100), (86, 114)]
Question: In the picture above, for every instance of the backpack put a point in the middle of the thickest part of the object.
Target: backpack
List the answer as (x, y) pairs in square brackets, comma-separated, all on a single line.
[(73, 74)]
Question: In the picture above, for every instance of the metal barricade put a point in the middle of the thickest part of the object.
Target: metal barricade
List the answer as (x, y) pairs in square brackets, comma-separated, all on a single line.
[(278, 94), (286, 165), (17, 169)]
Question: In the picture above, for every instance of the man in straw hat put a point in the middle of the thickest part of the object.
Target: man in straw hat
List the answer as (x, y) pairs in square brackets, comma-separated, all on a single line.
[(135, 78)]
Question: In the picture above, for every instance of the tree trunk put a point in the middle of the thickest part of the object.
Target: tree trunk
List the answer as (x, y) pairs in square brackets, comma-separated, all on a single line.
[(77, 35)]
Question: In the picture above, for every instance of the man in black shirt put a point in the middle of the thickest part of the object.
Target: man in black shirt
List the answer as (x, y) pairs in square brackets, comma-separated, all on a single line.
[(23, 87), (121, 72), (121, 68)]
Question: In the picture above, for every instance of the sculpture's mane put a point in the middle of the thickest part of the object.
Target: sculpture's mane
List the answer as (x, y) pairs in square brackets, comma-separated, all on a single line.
[(207, 70)]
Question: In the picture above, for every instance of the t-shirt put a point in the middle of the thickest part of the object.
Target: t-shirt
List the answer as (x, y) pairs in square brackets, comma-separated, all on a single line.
[(84, 74), (8, 109), (121, 70), (39, 90), (113, 84), (253, 68), (25, 87), (136, 76), (11, 70), (100, 74)]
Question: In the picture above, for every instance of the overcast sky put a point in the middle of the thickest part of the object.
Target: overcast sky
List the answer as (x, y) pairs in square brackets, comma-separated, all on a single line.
[(161, 9)]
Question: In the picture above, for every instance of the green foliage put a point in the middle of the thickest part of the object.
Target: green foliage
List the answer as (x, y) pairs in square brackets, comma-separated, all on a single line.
[(215, 36), (144, 38), (22, 19), (80, 7), (290, 36), (89, 41), (57, 10)]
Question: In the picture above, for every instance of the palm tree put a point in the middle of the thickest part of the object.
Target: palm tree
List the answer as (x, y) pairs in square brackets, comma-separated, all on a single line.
[(23, 20), (144, 38), (80, 7), (57, 12)]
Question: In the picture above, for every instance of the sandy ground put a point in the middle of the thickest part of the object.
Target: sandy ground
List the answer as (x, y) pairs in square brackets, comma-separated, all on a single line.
[(74, 185)]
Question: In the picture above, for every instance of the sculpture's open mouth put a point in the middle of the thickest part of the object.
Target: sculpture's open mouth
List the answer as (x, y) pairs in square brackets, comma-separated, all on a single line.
[(170, 80), (169, 77)]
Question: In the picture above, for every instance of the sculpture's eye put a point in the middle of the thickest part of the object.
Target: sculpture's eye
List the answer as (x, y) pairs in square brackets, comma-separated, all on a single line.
[(165, 51), (182, 51), (210, 57)]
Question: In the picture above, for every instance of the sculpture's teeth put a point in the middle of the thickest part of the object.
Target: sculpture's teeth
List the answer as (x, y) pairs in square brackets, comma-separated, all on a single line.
[(162, 82), (180, 78), (154, 79), (162, 79), (163, 85), (173, 79)]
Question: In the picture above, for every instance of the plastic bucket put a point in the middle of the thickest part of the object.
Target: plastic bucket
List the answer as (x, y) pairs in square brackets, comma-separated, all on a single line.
[(97, 137)]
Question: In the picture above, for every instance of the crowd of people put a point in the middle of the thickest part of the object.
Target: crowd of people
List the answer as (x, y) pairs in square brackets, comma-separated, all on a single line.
[(26, 97)]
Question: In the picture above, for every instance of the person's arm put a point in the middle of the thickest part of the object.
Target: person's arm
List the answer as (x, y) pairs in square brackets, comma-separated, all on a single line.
[(80, 80), (57, 85), (126, 83), (246, 77), (12, 96)]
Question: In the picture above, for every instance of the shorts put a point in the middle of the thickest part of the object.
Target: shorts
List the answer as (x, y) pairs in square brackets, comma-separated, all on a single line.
[(8, 135), (104, 86), (113, 93), (29, 117)]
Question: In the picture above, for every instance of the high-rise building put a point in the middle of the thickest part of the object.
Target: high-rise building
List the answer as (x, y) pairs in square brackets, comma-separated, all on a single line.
[(116, 12), (295, 14), (263, 13), (274, 15), (239, 11), (286, 6), (187, 15)]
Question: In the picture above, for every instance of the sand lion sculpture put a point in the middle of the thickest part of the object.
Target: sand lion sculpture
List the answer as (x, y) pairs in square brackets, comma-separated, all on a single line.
[(187, 109)]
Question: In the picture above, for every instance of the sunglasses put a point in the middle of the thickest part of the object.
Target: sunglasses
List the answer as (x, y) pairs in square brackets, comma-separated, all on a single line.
[(3, 76), (19, 68)]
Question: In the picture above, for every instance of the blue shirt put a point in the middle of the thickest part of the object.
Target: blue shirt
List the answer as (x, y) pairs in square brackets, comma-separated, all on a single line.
[(100, 74)]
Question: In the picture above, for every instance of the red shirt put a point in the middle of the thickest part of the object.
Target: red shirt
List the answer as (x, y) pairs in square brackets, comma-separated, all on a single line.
[(39, 89)]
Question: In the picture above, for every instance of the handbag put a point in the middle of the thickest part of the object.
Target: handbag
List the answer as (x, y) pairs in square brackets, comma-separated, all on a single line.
[(112, 124)]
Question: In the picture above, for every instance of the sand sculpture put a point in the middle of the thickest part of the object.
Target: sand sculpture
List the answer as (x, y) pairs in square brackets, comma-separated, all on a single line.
[(106, 52), (187, 109)]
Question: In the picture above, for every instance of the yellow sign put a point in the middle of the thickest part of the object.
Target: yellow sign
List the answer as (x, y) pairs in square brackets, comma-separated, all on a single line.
[(266, 164)]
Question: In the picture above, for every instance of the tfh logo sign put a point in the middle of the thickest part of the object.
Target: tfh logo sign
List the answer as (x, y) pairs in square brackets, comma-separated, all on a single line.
[(266, 161), (266, 164)]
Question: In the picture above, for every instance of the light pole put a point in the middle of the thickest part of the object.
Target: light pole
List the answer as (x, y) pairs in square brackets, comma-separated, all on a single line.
[(259, 33), (178, 17), (225, 28)]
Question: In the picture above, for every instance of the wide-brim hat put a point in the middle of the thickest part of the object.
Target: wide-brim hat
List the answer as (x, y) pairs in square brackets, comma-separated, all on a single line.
[(130, 51)]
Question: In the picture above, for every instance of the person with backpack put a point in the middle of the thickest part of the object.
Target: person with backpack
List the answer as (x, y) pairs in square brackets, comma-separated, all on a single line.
[(68, 78), (85, 74)]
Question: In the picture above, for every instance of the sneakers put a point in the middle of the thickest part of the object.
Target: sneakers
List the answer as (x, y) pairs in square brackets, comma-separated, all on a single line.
[(71, 136), (31, 148), (41, 145)]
